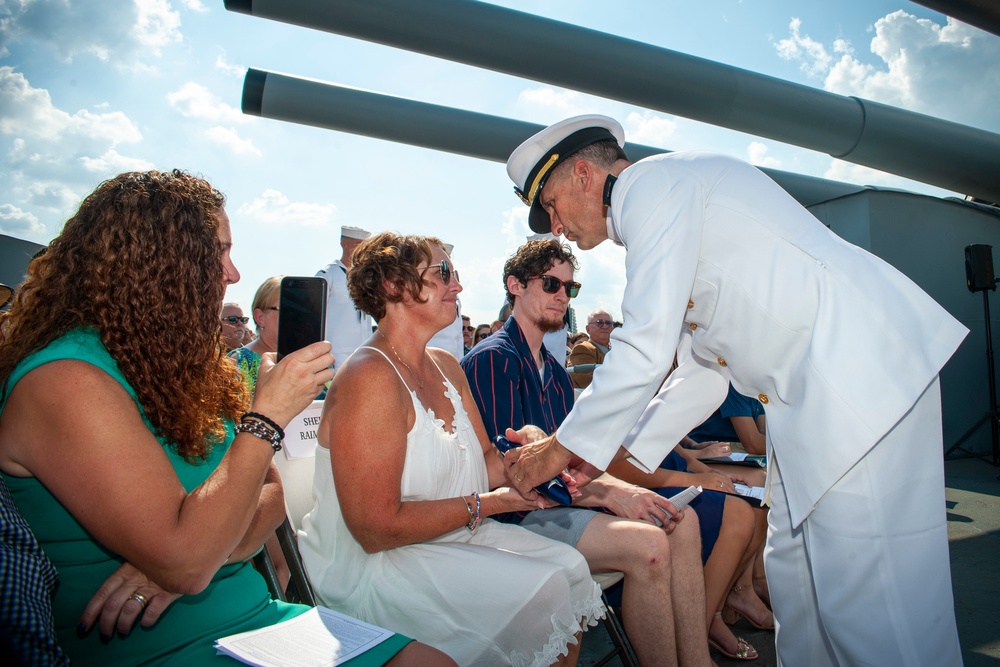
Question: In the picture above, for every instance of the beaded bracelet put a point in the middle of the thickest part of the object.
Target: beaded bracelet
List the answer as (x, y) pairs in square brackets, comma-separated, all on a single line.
[(250, 424), (266, 420)]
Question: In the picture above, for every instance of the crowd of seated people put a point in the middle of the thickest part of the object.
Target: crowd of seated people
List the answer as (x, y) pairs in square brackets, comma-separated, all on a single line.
[(148, 481)]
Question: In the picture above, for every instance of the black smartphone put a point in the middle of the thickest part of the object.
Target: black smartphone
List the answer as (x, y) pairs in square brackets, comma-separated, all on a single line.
[(301, 313)]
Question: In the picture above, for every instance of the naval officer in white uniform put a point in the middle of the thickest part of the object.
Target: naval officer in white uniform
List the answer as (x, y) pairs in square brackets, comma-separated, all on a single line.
[(730, 274), (346, 326)]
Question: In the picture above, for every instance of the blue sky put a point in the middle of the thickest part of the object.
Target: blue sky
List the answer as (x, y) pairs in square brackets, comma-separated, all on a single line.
[(89, 89)]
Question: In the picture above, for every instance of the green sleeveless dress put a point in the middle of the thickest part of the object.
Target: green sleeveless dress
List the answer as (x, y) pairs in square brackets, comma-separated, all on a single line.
[(235, 601)]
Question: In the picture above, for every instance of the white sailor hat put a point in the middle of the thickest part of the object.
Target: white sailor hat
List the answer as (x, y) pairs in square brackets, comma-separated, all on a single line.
[(357, 233), (448, 247), (532, 162)]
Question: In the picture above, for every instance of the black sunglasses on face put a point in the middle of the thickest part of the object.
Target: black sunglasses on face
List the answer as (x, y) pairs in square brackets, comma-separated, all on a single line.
[(446, 271), (551, 285), (482, 336), (232, 319), (603, 324), (470, 328)]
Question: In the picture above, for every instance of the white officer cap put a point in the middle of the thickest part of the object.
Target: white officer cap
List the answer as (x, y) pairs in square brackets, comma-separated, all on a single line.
[(532, 162), (357, 233)]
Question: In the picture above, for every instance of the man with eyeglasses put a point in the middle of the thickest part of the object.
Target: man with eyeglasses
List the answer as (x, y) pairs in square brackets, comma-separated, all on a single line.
[(737, 281), (599, 326), (234, 325), (516, 381)]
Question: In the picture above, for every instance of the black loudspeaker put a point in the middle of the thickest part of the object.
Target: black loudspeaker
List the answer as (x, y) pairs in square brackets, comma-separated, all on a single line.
[(979, 267)]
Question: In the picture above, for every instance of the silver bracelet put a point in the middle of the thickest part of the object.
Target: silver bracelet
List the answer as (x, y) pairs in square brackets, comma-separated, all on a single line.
[(261, 430)]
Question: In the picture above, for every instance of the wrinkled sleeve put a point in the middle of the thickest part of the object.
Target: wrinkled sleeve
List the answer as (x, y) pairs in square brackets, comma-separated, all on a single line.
[(658, 213), (493, 378)]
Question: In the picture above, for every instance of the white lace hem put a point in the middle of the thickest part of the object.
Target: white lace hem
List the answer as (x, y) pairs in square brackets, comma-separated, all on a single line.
[(588, 611)]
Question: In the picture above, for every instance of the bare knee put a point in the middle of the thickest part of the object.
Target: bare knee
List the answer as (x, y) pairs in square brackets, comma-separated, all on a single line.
[(416, 654)]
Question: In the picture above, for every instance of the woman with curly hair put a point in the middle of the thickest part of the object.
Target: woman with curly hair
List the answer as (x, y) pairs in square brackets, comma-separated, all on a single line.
[(129, 440), (399, 535)]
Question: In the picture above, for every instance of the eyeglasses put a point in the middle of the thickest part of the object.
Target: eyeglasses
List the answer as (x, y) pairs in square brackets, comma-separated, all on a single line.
[(603, 324), (551, 285), (232, 319), (470, 329), (446, 271), (482, 336)]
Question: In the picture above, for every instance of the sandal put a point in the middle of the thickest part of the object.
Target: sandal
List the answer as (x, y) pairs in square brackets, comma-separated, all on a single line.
[(744, 651), (767, 624)]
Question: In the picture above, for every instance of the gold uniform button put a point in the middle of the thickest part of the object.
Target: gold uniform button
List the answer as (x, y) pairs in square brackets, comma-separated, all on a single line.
[(762, 398), (722, 362), (690, 304), (693, 326)]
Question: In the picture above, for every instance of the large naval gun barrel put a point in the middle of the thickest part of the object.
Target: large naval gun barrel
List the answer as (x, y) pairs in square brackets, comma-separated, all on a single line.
[(345, 109), (930, 150)]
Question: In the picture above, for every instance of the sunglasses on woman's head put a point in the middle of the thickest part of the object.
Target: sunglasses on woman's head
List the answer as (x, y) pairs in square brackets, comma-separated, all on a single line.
[(551, 285), (234, 320), (446, 271)]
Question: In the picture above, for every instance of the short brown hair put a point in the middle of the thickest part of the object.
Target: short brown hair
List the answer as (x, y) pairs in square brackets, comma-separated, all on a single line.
[(384, 269), (535, 258)]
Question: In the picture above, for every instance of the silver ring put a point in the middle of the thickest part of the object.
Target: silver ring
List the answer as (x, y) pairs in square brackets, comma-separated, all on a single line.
[(140, 598)]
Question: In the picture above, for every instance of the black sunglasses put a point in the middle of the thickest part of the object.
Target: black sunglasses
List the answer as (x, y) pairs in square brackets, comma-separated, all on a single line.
[(232, 319), (483, 335), (470, 328), (551, 285), (446, 271)]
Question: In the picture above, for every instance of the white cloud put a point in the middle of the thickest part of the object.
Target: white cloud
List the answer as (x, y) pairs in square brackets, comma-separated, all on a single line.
[(814, 56), (55, 196), (649, 128), (757, 155), (194, 6), (234, 70), (157, 25), (230, 138), (856, 173), (15, 222), (950, 71), (49, 144), (112, 162), (557, 102), (196, 101), (274, 208), (114, 31)]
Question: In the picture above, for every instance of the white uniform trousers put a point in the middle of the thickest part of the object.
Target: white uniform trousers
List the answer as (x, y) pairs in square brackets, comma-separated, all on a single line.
[(866, 578)]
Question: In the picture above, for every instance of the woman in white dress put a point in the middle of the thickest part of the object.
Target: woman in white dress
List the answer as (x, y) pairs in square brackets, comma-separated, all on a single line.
[(399, 535)]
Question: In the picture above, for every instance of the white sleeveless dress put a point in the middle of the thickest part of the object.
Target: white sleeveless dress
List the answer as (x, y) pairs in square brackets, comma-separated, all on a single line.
[(499, 596)]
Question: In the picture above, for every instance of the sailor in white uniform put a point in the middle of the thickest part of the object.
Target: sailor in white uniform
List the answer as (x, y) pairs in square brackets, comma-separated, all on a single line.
[(732, 276), (346, 326)]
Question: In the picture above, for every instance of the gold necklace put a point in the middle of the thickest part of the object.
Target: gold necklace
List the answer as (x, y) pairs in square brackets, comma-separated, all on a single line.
[(396, 354)]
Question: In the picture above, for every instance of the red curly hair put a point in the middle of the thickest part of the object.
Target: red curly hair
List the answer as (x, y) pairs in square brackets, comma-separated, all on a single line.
[(141, 263)]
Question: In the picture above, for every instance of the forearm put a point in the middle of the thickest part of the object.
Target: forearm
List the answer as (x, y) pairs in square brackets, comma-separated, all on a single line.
[(660, 477), (418, 521), (268, 516)]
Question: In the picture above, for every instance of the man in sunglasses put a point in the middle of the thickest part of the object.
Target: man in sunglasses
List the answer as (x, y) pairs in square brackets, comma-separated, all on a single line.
[(234, 325), (737, 281), (599, 326), (516, 381)]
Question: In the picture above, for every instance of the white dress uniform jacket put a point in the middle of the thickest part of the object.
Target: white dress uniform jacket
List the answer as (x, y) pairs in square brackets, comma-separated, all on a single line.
[(727, 271), (347, 328)]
